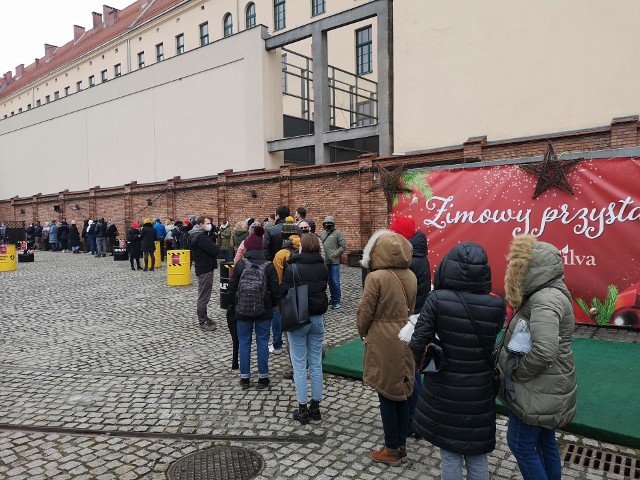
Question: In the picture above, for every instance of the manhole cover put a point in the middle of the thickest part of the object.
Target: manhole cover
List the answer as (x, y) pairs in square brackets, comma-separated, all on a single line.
[(604, 461), (218, 463)]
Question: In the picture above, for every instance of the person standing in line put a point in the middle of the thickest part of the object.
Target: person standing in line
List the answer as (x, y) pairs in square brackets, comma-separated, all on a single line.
[(63, 235), (255, 291), (161, 233), (456, 409), (84, 235), (53, 236), (74, 237), (101, 238), (225, 240), (334, 245), (241, 249), (112, 234), (272, 238), (133, 239), (30, 231), (37, 234), (91, 237), (45, 236), (541, 387), (388, 298), (148, 244), (204, 253), (240, 232), (305, 343)]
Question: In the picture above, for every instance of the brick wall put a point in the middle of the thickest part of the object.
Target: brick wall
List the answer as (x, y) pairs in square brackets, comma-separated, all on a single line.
[(345, 190)]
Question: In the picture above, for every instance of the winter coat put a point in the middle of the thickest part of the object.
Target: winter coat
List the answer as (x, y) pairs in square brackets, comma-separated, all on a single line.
[(148, 238), (456, 409), (272, 240), (204, 250), (74, 236), (30, 230), (53, 234), (134, 242), (91, 229), (45, 232), (37, 231), (334, 245), (290, 246), (421, 268), (160, 229), (63, 231), (383, 310), (273, 288), (311, 271), (112, 231), (544, 379), (225, 238), (238, 237), (101, 229)]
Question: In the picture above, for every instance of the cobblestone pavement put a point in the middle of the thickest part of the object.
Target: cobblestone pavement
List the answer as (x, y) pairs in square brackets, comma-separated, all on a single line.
[(104, 374)]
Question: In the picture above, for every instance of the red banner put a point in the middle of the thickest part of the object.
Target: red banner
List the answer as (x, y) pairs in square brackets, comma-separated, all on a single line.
[(597, 230)]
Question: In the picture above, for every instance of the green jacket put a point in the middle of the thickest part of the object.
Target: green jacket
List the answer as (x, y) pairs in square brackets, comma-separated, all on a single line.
[(225, 238), (544, 379), (334, 245)]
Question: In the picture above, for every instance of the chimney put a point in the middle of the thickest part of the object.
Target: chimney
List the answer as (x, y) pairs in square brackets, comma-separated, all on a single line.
[(97, 19), (109, 14), (19, 70), (8, 76), (78, 31), (37, 62), (48, 51)]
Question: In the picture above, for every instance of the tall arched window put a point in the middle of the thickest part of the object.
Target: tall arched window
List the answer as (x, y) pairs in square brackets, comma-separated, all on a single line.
[(251, 15), (228, 25)]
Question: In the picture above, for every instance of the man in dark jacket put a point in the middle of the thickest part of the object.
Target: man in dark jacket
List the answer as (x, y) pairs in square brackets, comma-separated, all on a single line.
[(456, 410), (148, 244), (272, 241), (101, 238), (204, 253), (254, 259)]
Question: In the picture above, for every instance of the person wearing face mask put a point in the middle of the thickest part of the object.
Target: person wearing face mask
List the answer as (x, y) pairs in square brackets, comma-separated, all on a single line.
[(204, 253), (334, 245)]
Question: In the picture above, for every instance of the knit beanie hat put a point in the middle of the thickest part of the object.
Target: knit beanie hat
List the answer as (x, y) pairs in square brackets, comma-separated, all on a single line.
[(405, 226), (289, 226), (254, 241)]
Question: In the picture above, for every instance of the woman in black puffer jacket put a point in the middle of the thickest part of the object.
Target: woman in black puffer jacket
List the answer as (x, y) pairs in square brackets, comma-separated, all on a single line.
[(456, 410), (305, 343)]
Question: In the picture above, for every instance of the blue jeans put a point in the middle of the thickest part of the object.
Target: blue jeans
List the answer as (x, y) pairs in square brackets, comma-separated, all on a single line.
[(228, 255), (395, 417), (245, 332), (334, 282), (306, 346), (451, 466), (275, 327), (535, 449)]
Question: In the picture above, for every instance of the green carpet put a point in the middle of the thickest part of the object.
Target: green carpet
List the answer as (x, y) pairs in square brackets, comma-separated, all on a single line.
[(608, 387)]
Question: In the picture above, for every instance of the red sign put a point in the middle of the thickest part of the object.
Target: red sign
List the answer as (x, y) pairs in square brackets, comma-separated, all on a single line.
[(175, 259), (3, 249), (596, 230)]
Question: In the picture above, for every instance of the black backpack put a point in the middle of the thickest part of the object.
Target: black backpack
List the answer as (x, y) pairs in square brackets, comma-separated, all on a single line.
[(252, 290), (185, 241)]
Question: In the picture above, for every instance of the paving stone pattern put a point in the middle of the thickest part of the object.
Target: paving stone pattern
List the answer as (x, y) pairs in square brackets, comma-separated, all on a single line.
[(89, 344)]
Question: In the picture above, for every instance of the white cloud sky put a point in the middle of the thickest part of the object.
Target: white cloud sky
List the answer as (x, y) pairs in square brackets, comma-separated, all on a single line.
[(26, 25)]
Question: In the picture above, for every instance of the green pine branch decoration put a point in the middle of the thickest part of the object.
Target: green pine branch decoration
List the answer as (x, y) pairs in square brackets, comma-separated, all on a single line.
[(604, 309), (414, 181)]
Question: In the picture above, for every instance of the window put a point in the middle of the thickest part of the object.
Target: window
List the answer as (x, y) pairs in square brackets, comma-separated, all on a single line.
[(204, 34), (140, 59), (56, 95), (363, 50), (66, 91), (180, 44), (79, 86), (227, 22), (29, 107), (37, 103), (20, 110), (92, 81), (251, 15), (284, 73), (364, 113), (279, 20), (317, 7), (159, 52), (47, 99), (117, 70), (103, 76)]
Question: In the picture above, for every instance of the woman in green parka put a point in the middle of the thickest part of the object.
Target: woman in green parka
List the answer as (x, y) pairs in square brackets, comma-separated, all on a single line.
[(540, 377)]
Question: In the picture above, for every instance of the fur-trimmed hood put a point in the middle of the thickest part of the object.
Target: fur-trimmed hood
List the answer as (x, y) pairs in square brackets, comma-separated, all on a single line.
[(532, 266), (386, 249)]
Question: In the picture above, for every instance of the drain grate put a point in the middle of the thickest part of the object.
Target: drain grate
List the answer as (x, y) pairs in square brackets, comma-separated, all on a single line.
[(604, 461), (218, 463)]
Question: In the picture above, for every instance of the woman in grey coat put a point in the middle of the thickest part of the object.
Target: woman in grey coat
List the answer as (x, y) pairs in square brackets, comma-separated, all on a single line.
[(540, 377)]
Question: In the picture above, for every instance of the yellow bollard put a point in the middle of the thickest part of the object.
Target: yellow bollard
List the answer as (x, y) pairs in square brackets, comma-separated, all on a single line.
[(178, 268), (157, 255), (8, 258)]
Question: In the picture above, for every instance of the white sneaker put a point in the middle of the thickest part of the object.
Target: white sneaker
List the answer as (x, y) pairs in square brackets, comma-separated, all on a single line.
[(275, 351)]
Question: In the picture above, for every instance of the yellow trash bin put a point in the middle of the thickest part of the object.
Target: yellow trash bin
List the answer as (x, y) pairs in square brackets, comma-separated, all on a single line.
[(178, 268), (8, 258), (157, 256)]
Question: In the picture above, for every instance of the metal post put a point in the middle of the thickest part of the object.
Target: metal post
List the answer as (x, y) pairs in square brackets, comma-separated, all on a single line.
[(320, 56)]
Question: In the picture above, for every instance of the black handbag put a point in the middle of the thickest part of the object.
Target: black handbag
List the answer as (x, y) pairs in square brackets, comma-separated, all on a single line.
[(294, 307), (433, 359)]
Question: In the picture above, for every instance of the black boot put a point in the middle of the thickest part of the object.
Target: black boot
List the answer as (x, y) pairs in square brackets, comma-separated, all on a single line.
[(301, 414), (314, 410)]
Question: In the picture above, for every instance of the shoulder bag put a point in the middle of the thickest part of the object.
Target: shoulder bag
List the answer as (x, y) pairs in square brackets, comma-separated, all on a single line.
[(294, 307)]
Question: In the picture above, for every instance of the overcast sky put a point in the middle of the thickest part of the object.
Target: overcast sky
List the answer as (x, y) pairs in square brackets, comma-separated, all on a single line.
[(26, 25)]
